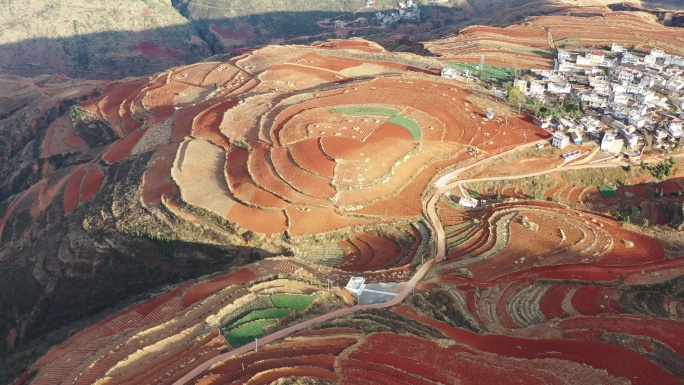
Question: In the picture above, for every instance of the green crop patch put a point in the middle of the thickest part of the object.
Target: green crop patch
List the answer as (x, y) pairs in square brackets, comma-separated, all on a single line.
[(292, 301), (365, 111), (263, 314), (607, 191), (501, 74), (248, 332), (409, 124)]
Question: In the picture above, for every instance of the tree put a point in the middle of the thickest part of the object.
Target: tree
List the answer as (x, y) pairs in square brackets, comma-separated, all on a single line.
[(645, 222), (643, 165), (516, 97), (649, 140)]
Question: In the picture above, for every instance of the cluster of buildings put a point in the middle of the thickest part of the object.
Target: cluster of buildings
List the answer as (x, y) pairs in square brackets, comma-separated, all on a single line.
[(626, 95), (407, 10)]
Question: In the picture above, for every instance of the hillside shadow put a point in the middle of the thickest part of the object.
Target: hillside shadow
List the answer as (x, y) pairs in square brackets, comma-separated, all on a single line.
[(116, 54)]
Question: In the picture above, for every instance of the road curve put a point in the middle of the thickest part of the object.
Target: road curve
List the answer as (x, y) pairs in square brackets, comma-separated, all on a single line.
[(420, 273), (433, 219), (442, 185)]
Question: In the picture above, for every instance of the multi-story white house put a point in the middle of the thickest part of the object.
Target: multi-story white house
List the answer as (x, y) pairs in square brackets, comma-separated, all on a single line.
[(560, 140), (674, 129)]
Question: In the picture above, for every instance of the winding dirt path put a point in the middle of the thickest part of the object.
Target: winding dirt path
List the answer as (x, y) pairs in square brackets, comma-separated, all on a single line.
[(442, 185)]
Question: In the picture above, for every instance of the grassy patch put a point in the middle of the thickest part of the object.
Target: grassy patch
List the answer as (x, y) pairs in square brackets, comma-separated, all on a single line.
[(409, 124), (365, 111), (501, 74), (542, 52), (473, 193), (567, 39), (263, 314), (292, 301), (248, 332), (607, 191)]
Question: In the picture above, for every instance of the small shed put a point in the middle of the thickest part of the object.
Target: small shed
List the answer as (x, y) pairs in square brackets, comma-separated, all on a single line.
[(470, 203), (356, 285), (576, 139)]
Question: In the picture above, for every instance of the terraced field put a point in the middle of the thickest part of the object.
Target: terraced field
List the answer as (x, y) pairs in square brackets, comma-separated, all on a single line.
[(532, 44), (330, 161)]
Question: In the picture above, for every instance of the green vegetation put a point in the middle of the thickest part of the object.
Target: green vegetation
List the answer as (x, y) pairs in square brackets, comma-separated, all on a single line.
[(473, 193), (365, 111), (607, 191), (500, 74), (165, 244), (569, 107), (263, 314), (248, 322), (248, 332), (567, 39), (516, 98), (293, 301), (542, 52), (409, 124)]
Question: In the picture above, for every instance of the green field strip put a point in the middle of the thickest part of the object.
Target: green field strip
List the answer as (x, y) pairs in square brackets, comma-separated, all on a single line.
[(260, 303), (293, 301), (411, 125), (502, 74), (263, 314), (365, 111), (248, 332), (607, 191)]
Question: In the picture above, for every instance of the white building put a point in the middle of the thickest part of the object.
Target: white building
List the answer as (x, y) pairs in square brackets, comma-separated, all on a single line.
[(607, 141), (649, 60), (657, 52), (628, 58), (356, 285), (563, 55), (537, 87), (559, 88), (674, 129), (636, 120), (590, 124), (560, 140), (448, 73), (645, 97), (470, 203), (617, 48)]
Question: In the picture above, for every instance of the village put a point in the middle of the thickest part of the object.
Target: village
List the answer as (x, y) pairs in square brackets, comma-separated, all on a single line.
[(407, 10), (623, 99)]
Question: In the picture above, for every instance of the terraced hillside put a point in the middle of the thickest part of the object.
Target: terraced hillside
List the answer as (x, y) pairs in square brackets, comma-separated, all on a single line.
[(530, 43), (320, 153), (332, 157)]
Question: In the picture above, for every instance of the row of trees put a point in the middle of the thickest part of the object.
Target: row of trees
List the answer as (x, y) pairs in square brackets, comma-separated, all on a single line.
[(568, 107)]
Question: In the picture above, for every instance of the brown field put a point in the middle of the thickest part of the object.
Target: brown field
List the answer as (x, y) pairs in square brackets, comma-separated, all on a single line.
[(558, 287), (514, 46), (531, 45)]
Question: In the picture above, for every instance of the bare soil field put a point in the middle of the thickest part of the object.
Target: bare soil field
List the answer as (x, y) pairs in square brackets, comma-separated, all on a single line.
[(531, 44), (294, 151)]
